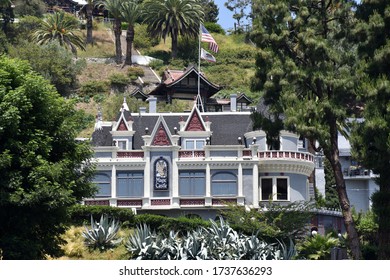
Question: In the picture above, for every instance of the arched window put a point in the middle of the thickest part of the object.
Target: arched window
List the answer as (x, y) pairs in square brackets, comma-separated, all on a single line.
[(224, 184), (103, 181), (161, 174)]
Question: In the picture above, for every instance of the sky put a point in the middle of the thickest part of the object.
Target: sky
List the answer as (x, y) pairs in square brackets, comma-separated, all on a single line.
[(225, 17)]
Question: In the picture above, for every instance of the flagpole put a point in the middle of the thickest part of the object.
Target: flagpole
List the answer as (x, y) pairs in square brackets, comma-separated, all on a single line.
[(199, 53)]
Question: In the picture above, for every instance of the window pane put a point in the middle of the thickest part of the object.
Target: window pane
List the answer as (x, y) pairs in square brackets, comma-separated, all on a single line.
[(189, 145), (266, 188), (103, 183), (192, 183), (224, 184), (199, 144), (130, 184), (121, 145), (281, 188)]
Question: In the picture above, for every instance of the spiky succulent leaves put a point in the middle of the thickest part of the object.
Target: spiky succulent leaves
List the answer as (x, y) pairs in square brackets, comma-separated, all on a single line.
[(144, 244), (102, 235)]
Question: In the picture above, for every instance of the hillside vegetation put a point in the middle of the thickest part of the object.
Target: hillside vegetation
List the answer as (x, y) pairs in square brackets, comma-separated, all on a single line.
[(103, 83)]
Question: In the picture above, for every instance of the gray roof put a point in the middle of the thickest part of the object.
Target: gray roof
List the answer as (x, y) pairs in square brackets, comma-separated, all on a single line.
[(226, 128)]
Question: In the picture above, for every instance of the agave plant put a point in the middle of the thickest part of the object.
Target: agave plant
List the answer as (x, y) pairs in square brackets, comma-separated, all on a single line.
[(144, 244), (102, 234)]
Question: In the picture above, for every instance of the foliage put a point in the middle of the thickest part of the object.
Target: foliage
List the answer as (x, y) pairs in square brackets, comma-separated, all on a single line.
[(216, 242), (119, 79), (317, 247), (371, 137), (53, 62), (281, 222), (25, 25), (131, 12), (173, 18), (214, 27), (93, 87), (135, 72), (307, 71), (164, 225), (29, 8), (210, 10), (115, 9), (102, 234), (79, 214), (143, 40), (331, 199), (43, 170), (60, 27)]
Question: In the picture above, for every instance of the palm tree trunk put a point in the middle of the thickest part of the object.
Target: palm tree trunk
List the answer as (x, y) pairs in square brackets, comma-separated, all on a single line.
[(174, 45), (333, 156), (89, 24), (118, 46), (129, 44)]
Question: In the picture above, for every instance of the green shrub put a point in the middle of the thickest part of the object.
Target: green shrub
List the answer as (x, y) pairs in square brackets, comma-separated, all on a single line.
[(135, 72), (80, 214), (91, 88), (214, 28), (164, 225), (118, 79), (317, 247), (142, 39), (156, 64)]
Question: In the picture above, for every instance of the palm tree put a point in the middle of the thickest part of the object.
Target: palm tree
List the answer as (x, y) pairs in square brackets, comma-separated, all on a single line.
[(60, 27), (173, 18), (131, 12), (89, 23), (115, 8)]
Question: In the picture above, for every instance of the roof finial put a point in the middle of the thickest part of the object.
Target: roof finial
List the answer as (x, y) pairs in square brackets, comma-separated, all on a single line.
[(99, 119), (124, 105)]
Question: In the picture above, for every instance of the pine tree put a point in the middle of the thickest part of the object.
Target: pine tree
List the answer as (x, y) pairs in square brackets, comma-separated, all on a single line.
[(371, 139), (306, 70)]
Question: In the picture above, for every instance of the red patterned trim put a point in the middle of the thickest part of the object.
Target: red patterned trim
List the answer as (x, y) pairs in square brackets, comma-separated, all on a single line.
[(122, 126), (130, 154), (247, 153), (195, 123), (160, 202), (191, 153), (190, 202), (161, 138), (129, 203)]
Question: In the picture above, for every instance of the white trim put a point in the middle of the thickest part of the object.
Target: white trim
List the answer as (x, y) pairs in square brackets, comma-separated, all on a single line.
[(274, 187)]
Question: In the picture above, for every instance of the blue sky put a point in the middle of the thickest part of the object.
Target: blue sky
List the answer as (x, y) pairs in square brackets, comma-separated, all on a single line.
[(225, 17)]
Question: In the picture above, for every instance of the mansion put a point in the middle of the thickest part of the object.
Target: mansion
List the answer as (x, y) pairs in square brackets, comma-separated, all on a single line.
[(193, 163)]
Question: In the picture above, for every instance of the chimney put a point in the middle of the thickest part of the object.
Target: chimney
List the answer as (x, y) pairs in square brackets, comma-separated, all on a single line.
[(233, 102), (142, 111), (152, 104)]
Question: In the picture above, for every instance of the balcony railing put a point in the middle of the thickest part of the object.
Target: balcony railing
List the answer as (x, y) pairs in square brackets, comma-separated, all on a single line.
[(130, 154), (191, 154), (286, 155)]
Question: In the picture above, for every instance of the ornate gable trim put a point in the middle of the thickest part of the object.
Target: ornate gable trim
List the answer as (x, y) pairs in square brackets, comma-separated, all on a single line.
[(195, 121), (122, 126), (161, 134)]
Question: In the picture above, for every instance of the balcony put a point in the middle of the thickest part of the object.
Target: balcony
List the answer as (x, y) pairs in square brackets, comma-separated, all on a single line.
[(130, 154), (286, 162), (356, 171), (191, 154)]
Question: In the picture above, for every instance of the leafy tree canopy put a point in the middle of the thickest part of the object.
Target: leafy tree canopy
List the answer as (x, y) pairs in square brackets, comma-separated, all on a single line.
[(43, 169)]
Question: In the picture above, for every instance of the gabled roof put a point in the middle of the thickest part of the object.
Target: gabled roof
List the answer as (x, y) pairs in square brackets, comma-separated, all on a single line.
[(243, 98), (161, 135), (139, 94), (195, 121), (172, 79)]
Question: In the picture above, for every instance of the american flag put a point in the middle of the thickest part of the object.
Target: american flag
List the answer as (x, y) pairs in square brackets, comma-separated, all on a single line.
[(206, 37)]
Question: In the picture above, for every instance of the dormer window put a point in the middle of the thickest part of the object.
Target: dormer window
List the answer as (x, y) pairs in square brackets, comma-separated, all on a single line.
[(121, 144), (194, 144)]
